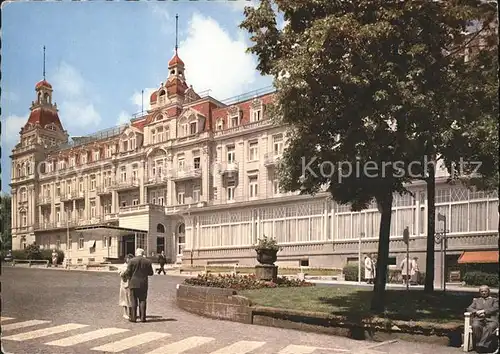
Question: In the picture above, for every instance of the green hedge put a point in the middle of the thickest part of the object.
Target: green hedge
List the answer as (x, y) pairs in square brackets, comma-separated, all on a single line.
[(481, 278), (31, 253)]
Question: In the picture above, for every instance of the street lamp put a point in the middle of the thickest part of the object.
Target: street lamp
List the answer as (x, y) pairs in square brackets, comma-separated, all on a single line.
[(362, 234), (440, 238)]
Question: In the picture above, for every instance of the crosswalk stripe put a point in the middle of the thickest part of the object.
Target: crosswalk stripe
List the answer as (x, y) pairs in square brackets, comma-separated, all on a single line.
[(44, 332), (85, 337), (5, 318), (241, 347), (11, 326), (130, 342), (182, 345), (297, 349)]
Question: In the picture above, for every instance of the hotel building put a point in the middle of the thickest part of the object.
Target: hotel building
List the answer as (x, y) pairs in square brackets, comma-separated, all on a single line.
[(196, 177)]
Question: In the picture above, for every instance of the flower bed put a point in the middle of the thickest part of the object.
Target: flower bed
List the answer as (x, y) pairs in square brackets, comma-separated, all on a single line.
[(243, 282)]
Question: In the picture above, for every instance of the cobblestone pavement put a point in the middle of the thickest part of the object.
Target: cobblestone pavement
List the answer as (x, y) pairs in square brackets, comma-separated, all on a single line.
[(55, 312)]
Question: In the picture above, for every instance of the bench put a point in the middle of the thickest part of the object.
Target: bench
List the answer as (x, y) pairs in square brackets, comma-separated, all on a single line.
[(467, 346), (30, 262)]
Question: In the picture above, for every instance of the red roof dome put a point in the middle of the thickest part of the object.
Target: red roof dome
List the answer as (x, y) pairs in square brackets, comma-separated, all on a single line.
[(153, 97), (43, 83), (175, 61)]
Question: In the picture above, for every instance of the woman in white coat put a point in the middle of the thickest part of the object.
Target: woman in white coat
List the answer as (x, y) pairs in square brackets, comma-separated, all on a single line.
[(124, 299)]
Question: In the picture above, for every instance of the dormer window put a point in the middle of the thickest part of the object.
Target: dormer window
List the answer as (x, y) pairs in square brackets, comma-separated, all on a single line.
[(125, 145), (96, 155), (256, 115), (193, 128), (153, 136), (220, 124), (184, 129), (84, 158), (235, 121), (132, 143), (72, 162)]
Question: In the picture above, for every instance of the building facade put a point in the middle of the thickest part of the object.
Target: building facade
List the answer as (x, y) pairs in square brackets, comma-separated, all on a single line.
[(196, 178)]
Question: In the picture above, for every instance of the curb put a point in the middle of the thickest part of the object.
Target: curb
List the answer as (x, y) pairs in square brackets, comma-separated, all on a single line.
[(226, 304)]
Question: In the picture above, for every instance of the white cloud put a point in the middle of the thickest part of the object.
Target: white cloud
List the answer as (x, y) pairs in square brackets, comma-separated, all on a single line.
[(160, 11), (74, 94), (136, 99), (123, 117), (11, 127), (239, 5), (216, 61)]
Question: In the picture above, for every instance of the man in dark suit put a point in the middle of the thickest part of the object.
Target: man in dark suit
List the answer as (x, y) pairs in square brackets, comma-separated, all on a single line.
[(138, 270), (485, 320), (162, 260)]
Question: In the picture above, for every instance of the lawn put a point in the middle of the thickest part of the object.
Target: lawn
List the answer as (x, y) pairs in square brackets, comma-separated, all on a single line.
[(354, 303)]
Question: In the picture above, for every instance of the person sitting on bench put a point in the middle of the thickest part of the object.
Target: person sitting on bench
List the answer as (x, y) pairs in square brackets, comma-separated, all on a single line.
[(484, 312)]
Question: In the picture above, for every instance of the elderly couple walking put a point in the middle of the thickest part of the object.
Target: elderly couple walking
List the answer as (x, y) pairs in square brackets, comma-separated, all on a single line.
[(134, 285)]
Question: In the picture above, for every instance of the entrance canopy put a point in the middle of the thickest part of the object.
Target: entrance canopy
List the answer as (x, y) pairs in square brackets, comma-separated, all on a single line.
[(108, 230), (478, 257)]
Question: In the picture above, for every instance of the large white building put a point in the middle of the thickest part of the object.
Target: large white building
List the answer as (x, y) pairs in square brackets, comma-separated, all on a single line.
[(195, 177)]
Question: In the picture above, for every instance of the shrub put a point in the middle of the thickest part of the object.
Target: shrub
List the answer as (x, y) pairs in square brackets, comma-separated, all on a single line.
[(481, 278), (351, 272), (33, 251), (19, 254), (47, 255), (242, 282)]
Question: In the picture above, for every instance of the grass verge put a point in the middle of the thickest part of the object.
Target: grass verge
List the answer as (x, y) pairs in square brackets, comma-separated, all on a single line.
[(354, 303)]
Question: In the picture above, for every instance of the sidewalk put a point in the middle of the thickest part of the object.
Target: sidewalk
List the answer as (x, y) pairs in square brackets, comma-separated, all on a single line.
[(450, 287)]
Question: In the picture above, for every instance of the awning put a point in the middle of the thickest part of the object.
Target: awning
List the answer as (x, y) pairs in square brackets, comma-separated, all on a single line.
[(478, 257), (107, 230)]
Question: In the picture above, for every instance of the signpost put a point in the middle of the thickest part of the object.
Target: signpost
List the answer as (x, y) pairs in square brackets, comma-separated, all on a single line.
[(406, 239), (359, 257), (441, 238)]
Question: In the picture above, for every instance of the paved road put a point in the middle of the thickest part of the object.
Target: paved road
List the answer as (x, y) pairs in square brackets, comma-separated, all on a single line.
[(57, 311)]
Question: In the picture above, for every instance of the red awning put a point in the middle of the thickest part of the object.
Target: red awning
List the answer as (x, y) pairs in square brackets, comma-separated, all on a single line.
[(479, 257)]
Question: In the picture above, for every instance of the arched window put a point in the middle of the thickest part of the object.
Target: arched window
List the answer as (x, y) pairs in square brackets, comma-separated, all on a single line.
[(182, 229), (160, 228)]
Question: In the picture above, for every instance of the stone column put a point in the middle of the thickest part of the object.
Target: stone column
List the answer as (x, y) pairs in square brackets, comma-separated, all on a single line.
[(13, 207), (114, 198), (205, 174), (52, 203), (141, 182), (170, 185)]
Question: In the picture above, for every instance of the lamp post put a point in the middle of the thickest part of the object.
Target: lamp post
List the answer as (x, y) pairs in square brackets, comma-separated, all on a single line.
[(359, 256), (406, 239), (440, 238)]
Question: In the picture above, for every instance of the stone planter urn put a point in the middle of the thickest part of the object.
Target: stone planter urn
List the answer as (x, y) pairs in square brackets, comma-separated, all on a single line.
[(267, 256), (267, 250)]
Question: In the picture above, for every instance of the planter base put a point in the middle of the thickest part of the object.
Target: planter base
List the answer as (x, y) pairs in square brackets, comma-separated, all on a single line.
[(266, 272)]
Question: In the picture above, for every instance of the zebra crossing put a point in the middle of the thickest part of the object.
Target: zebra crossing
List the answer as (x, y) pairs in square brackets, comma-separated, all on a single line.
[(124, 340)]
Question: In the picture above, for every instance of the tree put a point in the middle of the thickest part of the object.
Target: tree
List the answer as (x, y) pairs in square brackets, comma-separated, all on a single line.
[(361, 85), (5, 222)]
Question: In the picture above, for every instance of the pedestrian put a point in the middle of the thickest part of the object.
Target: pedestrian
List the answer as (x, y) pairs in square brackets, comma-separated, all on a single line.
[(162, 260), (406, 269), (414, 271), (54, 258), (368, 269), (138, 270), (124, 299)]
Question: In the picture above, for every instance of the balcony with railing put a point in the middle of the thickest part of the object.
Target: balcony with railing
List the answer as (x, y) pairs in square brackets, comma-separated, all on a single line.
[(44, 200), (186, 173), (102, 189), (72, 196), (172, 209), (271, 159), (228, 168), (125, 184), (192, 137), (157, 180), (245, 128), (141, 208)]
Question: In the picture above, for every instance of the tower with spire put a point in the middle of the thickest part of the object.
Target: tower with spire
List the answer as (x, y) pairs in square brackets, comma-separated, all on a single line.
[(43, 126), (175, 90)]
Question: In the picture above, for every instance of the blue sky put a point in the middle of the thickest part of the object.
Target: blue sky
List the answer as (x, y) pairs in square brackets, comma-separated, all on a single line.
[(100, 55)]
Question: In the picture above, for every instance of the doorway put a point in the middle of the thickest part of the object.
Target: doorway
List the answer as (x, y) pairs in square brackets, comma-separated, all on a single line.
[(129, 244)]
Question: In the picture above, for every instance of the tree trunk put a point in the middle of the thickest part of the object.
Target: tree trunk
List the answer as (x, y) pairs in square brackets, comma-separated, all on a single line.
[(431, 223), (378, 299)]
